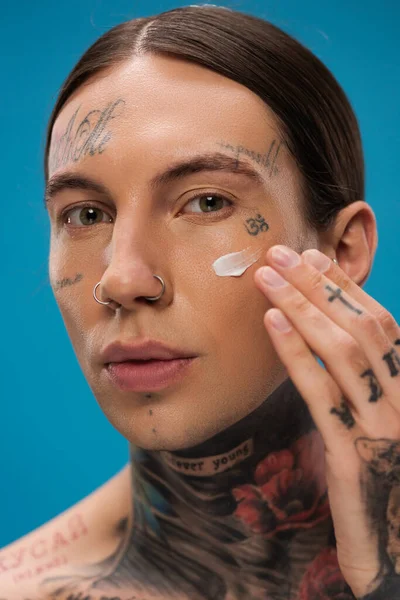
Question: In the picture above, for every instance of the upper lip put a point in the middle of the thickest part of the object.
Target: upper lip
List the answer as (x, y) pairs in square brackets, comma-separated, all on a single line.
[(144, 350)]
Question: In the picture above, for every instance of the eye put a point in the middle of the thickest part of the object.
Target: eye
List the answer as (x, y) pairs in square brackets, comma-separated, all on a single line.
[(208, 202), (85, 215)]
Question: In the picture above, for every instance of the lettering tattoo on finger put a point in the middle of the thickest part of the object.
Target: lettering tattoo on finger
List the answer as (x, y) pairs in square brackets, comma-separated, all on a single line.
[(392, 359), (344, 413), (376, 391), (338, 294)]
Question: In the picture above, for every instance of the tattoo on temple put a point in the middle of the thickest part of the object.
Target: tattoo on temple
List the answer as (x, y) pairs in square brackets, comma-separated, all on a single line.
[(338, 294), (344, 413), (376, 391), (380, 485), (392, 360), (256, 225), (88, 138), (61, 283), (267, 160)]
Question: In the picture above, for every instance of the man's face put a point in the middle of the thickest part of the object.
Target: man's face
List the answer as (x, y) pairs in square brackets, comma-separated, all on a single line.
[(121, 130)]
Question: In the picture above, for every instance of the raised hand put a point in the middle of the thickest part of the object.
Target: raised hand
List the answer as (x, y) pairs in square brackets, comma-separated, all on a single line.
[(355, 403)]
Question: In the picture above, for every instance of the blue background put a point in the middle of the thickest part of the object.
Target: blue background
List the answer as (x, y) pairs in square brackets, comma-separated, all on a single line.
[(56, 446)]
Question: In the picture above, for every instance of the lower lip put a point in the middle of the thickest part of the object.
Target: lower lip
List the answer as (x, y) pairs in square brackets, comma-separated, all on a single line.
[(147, 376)]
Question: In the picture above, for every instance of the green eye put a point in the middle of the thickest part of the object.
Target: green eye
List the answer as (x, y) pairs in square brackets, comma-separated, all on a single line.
[(87, 215), (208, 203)]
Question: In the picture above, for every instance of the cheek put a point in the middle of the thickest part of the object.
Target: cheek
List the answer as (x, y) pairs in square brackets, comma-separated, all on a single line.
[(232, 313), (72, 289)]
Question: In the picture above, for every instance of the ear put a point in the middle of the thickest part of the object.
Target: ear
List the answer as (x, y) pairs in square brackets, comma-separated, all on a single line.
[(353, 239)]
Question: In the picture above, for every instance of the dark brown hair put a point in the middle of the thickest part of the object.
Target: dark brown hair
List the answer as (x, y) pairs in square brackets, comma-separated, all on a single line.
[(313, 113)]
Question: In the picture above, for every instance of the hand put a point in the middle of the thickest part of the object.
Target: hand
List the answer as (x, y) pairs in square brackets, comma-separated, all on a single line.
[(354, 401)]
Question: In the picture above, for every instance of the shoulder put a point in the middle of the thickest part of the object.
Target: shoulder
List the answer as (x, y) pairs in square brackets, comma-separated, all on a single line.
[(85, 533)]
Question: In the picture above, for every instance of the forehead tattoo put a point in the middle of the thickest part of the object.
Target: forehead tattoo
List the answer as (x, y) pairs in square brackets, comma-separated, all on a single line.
[(86, 137)]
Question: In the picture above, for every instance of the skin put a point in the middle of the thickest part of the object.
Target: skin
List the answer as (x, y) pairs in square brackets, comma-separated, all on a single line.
[(236, 400)]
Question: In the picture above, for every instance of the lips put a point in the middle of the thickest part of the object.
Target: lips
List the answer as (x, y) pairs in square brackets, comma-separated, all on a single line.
[(148, 365), (144, 350), (147, 375)]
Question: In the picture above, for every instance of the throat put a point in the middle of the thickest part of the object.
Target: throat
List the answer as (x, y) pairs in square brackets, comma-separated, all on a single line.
[(246, 511)]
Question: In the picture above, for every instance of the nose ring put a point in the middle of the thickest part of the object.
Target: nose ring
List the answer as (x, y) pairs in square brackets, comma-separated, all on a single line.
[(154, 298), (149, 298)]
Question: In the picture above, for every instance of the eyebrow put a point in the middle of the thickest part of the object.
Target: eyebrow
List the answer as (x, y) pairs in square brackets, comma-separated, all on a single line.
[(217, 161)]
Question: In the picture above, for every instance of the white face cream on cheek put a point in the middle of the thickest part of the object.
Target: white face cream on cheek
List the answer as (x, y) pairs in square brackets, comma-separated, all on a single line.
[(236, 263)]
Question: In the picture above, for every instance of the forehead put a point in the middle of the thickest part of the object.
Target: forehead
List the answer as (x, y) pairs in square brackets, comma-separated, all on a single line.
[(155, 100)]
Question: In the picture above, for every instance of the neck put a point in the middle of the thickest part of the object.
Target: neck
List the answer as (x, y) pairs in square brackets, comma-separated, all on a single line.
[(245, 512)]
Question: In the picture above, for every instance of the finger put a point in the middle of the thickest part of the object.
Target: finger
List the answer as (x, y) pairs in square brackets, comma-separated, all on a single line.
[(353, 372), (331, 412), (383, 360), (325, 265)]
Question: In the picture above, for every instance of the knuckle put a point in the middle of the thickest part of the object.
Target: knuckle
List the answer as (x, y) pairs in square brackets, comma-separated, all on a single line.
[(370, 324), (349, 349), (301, 304), (300, 353), (315, 280), (330, 388), (388, 322), (344, 282)]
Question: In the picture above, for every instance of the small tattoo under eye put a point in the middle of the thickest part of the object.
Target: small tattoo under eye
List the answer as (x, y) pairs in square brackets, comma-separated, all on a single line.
[(338, 294), (344, 414), (392, 360), (256, 225), (61, 283), (374, 385)]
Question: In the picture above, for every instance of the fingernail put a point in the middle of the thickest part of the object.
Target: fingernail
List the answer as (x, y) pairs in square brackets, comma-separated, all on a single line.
[(272, 278), (278, 320), (317, 259), (285, 257)]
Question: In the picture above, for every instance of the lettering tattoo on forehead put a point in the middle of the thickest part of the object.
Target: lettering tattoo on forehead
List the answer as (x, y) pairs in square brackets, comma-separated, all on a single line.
[(89, 137), (267, 160), (61, 283)]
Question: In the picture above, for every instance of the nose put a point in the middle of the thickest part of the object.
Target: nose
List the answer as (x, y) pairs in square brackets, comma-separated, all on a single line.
[(129, 278)]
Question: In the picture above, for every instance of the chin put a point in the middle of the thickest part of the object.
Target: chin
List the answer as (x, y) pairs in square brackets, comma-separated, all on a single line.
[(165, 440)]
